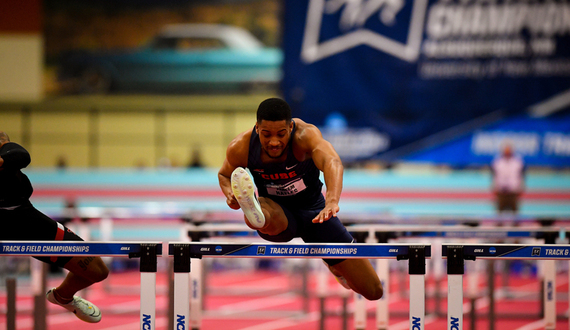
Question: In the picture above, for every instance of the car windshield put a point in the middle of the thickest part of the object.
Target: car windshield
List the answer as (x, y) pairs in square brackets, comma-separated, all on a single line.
[(183, 44), (196, 36)]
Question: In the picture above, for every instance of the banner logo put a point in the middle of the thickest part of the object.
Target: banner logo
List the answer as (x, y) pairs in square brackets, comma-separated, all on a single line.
[(353, 16)]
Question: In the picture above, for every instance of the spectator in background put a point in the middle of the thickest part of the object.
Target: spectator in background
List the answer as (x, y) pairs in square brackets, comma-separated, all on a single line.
[(508, 184), (61, 163), (508, 179), (195, 159)]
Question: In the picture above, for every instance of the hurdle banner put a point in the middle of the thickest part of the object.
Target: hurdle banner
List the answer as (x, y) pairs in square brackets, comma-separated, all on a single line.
[(184, 251), (315, 250), (74, 248), (515, 251), (146, 251), (457, 253)]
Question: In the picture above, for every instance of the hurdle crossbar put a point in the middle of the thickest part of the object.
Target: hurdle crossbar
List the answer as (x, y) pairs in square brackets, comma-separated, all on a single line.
[(513, 251), (458, 231), (312, 250), (456, 254), (183, 252), (147, 251)]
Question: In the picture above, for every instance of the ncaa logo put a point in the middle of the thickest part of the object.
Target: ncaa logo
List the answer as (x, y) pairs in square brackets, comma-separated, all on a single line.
[(261, 250), (352, 15), (535, 252), (492, 250), (218, 249)]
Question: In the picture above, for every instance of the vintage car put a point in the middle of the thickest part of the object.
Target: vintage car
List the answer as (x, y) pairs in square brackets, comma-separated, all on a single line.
[(181, 57)]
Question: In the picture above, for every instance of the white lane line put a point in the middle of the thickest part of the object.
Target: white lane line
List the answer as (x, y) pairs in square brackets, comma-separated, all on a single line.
[(534, 325)]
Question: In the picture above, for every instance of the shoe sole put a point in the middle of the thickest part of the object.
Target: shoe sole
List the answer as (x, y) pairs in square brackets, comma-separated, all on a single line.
[(244, 191)]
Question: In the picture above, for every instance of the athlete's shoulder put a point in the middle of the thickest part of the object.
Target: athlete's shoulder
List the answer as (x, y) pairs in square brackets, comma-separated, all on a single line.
[(238, 148), (306, 134), (305, 130)]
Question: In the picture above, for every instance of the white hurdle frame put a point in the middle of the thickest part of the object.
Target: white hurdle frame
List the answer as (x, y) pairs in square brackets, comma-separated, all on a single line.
[(438, 232), (147, 251), (416, 254), (456, 253)]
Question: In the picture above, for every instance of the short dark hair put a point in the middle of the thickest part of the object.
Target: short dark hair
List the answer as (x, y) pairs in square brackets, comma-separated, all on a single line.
[(274, 109)]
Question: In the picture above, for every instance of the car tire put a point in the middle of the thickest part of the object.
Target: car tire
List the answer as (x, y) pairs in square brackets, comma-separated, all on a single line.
[(95, 80)]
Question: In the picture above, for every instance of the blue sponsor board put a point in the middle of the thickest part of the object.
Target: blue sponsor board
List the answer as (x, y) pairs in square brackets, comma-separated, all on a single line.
[(551, 251), (539, 141), (398, 71), (71, 248), (322, 250)]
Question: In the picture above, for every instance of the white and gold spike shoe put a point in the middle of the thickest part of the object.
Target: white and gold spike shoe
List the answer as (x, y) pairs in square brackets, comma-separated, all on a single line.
[(243, 188)]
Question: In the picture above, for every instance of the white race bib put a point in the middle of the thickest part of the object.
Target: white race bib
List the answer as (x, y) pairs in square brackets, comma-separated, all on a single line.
[(290, 189)]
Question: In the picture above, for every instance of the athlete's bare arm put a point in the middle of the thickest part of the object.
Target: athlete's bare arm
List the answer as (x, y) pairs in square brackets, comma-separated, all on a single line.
[(310, 141), (236, 156)]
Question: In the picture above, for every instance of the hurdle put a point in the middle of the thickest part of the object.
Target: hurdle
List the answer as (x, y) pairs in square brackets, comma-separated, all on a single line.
[(184, 252), (382, 233), (146, 251), (456, 254)]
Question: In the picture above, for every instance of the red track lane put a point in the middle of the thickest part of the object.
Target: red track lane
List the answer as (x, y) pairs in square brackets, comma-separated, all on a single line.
[(237, 312), (209, 193)]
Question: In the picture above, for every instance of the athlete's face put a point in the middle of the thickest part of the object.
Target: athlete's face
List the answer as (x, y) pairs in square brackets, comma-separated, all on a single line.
[(274, 136)]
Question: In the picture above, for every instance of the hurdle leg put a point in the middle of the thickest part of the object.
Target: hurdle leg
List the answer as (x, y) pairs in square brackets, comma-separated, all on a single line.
[(106, 230), (322, 287), (417, 306), (148, 265), (549, 294), (359, 312), (455, 302), (11, 303), (39, 274), (455, 272), (474, 273), (437, 262), (417, 272), (181, 308), (382, 315), (196, 295)]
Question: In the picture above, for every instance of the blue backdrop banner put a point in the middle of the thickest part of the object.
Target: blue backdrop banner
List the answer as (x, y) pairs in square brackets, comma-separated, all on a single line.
[(543, 141), (395, 72)]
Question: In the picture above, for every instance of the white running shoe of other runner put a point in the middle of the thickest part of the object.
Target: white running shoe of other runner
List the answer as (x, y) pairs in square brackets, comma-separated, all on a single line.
[(82, 308)]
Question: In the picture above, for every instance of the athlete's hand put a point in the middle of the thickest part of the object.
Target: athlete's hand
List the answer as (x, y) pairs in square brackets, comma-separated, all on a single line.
[(328, 212), (232, 202)]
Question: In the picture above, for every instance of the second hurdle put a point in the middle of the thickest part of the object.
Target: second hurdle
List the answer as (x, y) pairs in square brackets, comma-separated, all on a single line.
[(183, 252), (457, 253)]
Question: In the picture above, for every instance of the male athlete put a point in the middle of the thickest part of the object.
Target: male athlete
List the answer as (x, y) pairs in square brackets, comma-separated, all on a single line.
[(22, 222), (285, 157)]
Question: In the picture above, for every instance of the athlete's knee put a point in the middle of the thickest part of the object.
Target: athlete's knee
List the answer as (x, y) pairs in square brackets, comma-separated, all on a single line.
[(272, 230), (98, 272), (374, 292), (371, 289)]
